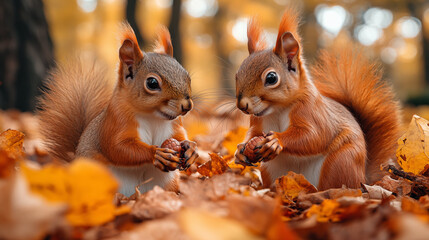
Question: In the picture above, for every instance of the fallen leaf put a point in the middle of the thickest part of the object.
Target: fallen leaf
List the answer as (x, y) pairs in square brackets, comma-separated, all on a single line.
[(201, 225), (399, 186), (326, 211), (233, 138), (24, 215), (413, 149), (307, 200), (12, 141), (216, 166), (50, 181), (376, 192), (291, 185), (85, 185), (412, 206), (156, 203)]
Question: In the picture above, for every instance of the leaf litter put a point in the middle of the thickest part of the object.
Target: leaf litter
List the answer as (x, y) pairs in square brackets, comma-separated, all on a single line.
[(46, 199)]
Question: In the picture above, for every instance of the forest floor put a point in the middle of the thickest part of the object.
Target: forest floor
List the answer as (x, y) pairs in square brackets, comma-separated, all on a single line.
[(42, 198)]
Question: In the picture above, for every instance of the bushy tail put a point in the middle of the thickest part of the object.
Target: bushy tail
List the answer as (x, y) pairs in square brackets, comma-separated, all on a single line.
[(352, 80), (75, 94)]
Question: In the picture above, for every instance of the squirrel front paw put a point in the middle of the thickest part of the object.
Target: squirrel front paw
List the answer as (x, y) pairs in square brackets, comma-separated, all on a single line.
[(269, 147), (166, 159), (190, 154), (241, 158)]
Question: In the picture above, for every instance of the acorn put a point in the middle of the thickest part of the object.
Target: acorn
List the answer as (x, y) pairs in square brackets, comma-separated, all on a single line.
[(172, 144), (180, 148), (250, 149)]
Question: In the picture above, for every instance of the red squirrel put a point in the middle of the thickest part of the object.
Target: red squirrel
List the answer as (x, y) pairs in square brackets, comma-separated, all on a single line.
[(124, 126), (335, 124)]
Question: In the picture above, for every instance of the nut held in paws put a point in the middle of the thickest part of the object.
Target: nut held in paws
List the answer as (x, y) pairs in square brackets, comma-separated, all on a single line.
[(250, 151), (173, 144)]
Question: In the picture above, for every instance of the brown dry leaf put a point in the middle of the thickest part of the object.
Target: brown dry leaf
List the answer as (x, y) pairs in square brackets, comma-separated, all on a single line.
[(216, 166), (399, 186), (262, 216), (376, 192), (291, 185), (86, 186), (233, 138), (156, 203), (12, 141), (196, 190), (201, 225), (413, 149)]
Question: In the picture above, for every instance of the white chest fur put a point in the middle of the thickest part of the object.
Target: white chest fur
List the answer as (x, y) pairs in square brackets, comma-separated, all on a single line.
[(309, 166), (153, 132), (277, 121)]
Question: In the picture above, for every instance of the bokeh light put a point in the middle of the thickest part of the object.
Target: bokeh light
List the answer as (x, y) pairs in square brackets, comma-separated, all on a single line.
[(332, 19), (408, 27)]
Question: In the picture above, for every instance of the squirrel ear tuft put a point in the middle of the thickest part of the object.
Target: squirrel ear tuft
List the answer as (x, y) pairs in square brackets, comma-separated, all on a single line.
[(255, 42), (129, 53), (288, 28), (163, 44)]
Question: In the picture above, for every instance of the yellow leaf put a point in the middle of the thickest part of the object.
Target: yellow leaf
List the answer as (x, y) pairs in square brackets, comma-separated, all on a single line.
[(324, 212), (413, 149), (49, 181), (92, 189), (233, 138), (86, 186), (291, 185)]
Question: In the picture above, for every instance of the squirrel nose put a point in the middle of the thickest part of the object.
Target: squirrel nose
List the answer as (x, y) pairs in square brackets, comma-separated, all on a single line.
[(186, 105), (244, 104)]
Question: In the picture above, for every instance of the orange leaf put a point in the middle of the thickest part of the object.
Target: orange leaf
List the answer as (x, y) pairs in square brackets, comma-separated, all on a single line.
[(216, 166), (291, 185), (85, 185), (327, 211), (11, 142)]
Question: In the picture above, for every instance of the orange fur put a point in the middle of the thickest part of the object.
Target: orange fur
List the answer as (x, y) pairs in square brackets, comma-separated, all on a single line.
[(163, 44), (127, 32), (81, 115), (289, 23), (352, 80), (76, 93), (119, 139), (341, 123), (255, 41)]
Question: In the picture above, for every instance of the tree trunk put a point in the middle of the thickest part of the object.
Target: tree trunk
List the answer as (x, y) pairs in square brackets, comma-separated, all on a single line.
[(174, 28), (131, 18), (26, 53)]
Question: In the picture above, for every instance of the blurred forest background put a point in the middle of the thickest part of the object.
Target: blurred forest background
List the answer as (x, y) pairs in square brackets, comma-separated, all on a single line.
[(209, 37)]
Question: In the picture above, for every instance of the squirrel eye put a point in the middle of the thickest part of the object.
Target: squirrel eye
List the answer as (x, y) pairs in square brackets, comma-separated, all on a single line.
[(152, 84), (271, 79)]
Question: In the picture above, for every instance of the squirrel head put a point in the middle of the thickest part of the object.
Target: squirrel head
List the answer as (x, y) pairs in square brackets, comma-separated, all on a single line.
[(153, 82), (270, 78)]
